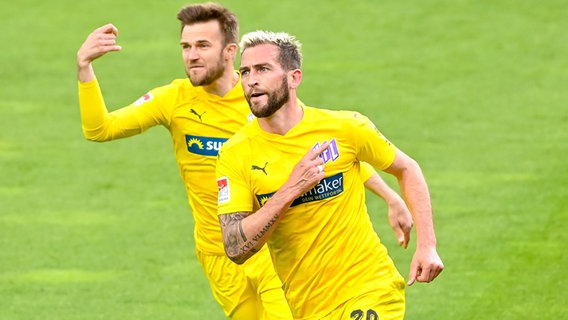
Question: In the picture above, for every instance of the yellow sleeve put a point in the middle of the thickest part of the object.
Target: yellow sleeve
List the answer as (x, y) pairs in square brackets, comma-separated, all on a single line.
[(234, 183), (366, 171), (92, 107), (100, 125), (372, 146)]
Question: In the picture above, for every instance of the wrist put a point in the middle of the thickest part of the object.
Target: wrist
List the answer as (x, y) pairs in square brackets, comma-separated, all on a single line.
[(85, 72), (83, 64), (427, 244)]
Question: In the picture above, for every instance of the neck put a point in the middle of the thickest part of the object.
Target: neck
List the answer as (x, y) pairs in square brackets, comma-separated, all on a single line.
[(284, 119), (224, 84)]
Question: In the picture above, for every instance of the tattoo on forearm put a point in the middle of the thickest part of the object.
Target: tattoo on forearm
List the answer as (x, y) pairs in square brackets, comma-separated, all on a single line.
[(264, 230), (242, 231), (237, 245), (230, 238)]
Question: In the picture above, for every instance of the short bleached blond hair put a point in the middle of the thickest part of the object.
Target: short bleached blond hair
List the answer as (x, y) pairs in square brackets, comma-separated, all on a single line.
[(290, 54)]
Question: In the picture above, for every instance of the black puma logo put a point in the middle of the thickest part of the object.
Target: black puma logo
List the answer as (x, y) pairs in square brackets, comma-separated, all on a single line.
[(263, 169), (197, 114)]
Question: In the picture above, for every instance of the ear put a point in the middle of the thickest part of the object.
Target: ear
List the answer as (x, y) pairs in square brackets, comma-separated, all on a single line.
[(230, 51), (294, 78)]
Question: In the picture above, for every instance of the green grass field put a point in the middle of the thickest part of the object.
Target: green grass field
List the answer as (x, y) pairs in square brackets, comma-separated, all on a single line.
[(476, 91)]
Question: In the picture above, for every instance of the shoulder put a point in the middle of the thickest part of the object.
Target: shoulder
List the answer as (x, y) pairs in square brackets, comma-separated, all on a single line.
[(234, 151), (353, 116), (161, 93), (177, 87), (341, 117), (241, 138), (240, 143)]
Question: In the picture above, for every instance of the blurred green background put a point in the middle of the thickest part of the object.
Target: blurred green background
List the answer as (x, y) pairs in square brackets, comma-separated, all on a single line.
[(476, 91)]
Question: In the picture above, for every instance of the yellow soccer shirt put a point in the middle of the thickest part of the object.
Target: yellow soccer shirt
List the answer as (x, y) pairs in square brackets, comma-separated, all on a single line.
[(199, 123), (324, 248), (367, 171)]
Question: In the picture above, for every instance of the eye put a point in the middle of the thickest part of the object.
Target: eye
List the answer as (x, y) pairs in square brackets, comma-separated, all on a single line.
[(263, 69), (244, 73)]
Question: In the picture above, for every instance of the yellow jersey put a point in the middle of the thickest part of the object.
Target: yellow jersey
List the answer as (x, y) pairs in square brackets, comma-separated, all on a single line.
[(367, 171), (198, 122), (324, 248)]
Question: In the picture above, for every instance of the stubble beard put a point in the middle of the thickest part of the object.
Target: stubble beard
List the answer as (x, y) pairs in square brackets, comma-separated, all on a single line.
[(211, 75), (276, 100)]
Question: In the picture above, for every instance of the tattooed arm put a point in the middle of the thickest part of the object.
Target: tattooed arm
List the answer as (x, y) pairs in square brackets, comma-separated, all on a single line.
[(244, 233)]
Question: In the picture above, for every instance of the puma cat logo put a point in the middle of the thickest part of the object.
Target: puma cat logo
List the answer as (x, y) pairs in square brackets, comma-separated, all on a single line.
[(197, 114), (263, 169)]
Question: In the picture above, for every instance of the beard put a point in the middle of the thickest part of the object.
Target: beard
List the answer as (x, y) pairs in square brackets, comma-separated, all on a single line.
[(210, 76), (276, 99)]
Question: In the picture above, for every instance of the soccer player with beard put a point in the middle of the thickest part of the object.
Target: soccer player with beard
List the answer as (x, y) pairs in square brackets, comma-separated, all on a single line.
[(201, 112), (310, 207)]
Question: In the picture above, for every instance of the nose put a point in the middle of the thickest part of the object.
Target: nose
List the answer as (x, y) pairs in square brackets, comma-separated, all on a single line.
[(191, 54), (252, 83)]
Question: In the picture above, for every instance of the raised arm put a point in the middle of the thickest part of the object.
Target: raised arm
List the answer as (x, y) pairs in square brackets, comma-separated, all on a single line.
[(426, 264), (97, 44), (245, 233), (94, 114), (97, 123)]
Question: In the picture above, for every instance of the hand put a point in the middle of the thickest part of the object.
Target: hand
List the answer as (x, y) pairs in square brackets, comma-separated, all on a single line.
[(98, 43), (400, 220), (307, 173), (426, 265)]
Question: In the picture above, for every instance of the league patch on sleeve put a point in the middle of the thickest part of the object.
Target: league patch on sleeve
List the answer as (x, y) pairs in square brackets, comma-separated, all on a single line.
[(145, 98), (224, 190)]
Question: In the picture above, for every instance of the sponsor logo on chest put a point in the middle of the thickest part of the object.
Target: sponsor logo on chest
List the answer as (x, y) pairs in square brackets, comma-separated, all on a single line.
[(325, 189), (205, 146)]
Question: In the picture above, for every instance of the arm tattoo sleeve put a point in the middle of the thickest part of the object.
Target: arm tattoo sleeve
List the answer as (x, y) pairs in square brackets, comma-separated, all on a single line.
[(237, 246)]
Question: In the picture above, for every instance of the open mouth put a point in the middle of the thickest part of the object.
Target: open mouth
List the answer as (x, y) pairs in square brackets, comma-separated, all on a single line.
[(256, 94)]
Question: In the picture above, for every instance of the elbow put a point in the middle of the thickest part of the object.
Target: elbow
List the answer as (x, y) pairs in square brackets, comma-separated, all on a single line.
[(93, 137), (239, 255), (404, 167), (411, 169), (414, 165), (237, 258)]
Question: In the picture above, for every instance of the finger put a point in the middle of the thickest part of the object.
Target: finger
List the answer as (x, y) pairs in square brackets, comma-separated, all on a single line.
[(435, 271), (108, 43), (106, 36), (406, 236), (399, 233), (429, 273), (402, 241), (315, 152), (113, 48), (108, 28), (412, 275), (423, 276)]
